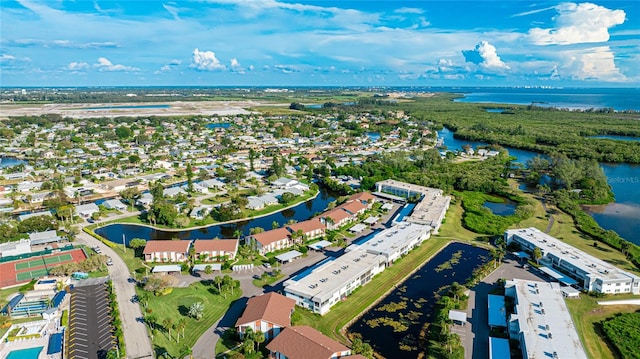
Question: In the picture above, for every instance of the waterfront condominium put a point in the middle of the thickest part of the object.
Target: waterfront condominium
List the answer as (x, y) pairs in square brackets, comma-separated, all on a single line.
[(592, 274)]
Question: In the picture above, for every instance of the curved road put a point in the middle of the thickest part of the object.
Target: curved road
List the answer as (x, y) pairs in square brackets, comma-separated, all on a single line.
[(136, 339)]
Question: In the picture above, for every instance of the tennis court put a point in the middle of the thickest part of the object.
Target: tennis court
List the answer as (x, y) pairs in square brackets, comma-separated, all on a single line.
[(57, 259), (28, 275), (31, 263)]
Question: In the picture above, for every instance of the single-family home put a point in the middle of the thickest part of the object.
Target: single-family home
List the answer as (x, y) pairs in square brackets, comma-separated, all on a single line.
[(22, 217), (145, 200), (216, 249), (212, 183), (284, 182), (304, 342), (268, 313), (200, 212), (114, 204), (173, 191), (44, 237), (87, 210), (166, 251), (272, 240), (311, 229)]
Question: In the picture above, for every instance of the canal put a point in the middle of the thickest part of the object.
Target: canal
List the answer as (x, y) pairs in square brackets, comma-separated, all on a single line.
[(392, 327)]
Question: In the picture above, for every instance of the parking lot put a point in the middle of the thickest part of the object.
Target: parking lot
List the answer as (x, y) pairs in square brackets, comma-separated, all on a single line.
[(90, 328)]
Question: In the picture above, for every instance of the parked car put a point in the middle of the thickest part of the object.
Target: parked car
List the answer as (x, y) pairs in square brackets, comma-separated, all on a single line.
[(97, 250), (109, 262), (267, 265)]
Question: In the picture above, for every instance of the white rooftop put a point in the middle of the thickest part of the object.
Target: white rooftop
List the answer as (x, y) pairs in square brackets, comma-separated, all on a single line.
[(559, 249), (391, 239), (544, 320)]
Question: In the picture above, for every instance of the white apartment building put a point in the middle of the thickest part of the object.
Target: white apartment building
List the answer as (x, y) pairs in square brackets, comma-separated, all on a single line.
[(333, 281), (592, 273), (394, 242), (541, 322)]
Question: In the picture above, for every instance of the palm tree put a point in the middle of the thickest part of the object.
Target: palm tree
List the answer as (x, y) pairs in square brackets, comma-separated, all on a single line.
[(537, 254), (457, 290), (624, 247), (185, 351), (259, 338), (196, 310), (218, 281), (182, 324), (168, 324)]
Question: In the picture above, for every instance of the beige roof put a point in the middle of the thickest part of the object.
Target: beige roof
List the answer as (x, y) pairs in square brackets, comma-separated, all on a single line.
[(215, 245), (362, 196), (271, 236), (336, 214), (353, 207), (303, 342), (307, 226), (271, 307), (178, 246)]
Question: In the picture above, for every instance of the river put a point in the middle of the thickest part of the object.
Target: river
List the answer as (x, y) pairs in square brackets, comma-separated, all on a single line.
[(623, 216), (411, 304), (301, 212)]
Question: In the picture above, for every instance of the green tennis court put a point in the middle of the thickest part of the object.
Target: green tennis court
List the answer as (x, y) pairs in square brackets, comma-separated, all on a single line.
[(58, 259), (31, 274), (35, 262)]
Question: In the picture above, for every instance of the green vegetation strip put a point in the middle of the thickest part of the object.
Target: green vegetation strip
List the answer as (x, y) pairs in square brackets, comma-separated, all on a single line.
[(345, 311), (622, 331)]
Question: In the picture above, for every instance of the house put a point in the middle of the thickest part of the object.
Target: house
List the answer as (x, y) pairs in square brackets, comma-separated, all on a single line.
[(114, 204), (22, 217), (166, 251), (145, 200), (268, 313), (272, 240), (335, 218), (15, 248), (215, 249), (311, 229), (44, 237), (87, 210), (212, 183), (364, 198), (354, 208), (173, 191), (200, 212), (284, 182), (304, 342)]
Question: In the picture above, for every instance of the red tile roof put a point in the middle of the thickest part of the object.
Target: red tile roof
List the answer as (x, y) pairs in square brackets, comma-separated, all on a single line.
[(178, 246), (307, 226), (303, 342), (268, 237), (362, 196), (272, 307), (354, 207), (215, 245), (336, 214)]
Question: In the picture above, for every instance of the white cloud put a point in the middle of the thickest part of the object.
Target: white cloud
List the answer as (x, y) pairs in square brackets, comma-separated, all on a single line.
[(9, 60), (485, 55), (595, 64), (78, 66), (67, 44), (287, 69), (578, 23), (408, 10), (105, 65), (206, 61)]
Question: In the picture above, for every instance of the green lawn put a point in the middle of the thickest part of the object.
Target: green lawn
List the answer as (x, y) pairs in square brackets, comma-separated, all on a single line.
[(452, 226), (343, 312), (587, 314), (176, 306)]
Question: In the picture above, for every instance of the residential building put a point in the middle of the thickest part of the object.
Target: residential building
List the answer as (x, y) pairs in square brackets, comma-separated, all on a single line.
[(541, 322), (272, 240), (22, 217), (216, 249), (268, 313), (200, 212), (354, 208), (311, 229), (592, 273), (87, 210), (364, 198), (114, 204), (336, 218), (166, 251), (394, 242), (304, 342), (15, 248), (44, 237), (334, 280)]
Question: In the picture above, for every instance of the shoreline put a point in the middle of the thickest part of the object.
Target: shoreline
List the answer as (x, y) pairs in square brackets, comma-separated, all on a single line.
[(100, 225)]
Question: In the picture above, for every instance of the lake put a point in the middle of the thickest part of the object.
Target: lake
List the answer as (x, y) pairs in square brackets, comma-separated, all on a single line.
[(615, 137), (301, 212), (415, 300), (10, 161), (373, 136), (505, 208), (212, 126)]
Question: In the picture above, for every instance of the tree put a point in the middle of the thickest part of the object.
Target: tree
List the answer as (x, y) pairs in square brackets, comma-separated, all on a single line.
[(498, 253), (207, 269), (189, 173), (129, 195), (123, 132), (624, 247), (143, 298), (259, 339), (275, 225), (196, 310), (182, 325), (185, 351), (218, 281), (137, 243), (287, 197), (537, 254), (168, 324)]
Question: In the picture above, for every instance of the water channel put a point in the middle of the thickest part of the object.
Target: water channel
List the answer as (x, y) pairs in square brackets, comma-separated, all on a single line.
[(624, 179), (393, 326), (301, 212)]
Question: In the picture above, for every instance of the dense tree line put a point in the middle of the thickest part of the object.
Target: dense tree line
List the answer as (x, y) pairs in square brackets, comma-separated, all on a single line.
[(622, 331)]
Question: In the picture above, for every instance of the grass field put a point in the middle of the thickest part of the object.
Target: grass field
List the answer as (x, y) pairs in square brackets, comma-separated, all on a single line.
[(175, 306), (343, 312), (587, 313)]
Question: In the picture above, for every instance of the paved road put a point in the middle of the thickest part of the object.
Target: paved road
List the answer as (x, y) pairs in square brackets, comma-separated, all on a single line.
[(136, 339), (475, 334)]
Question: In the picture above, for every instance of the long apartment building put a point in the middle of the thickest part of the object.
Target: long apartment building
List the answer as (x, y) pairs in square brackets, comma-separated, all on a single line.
[(429, 211), (541, 322), (592, 273), (394, 242)]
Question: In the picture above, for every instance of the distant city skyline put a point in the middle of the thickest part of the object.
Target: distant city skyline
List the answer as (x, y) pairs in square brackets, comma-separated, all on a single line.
[(319, 43)]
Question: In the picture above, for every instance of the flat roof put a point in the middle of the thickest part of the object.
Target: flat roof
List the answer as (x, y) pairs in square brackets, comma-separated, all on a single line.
[(543, 320), (285, 257), (499, 348), (202, 267), (430, 209), (371, 220), (320, 245), (391, 239), (389, 196), (166, 268), (549, 245), (325, 280), (457, 316), (358, 228), (497, 311), (560, 277)]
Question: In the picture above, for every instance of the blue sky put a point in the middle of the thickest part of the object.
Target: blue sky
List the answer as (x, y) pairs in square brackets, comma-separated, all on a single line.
[(319, 43)]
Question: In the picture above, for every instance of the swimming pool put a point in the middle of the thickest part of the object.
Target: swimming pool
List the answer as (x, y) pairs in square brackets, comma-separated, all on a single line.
[(30, 353)]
